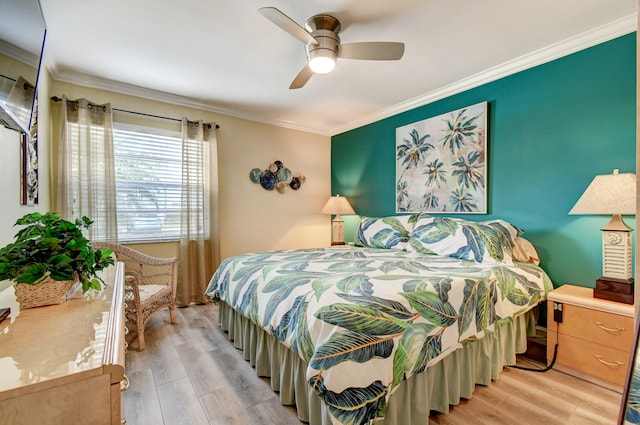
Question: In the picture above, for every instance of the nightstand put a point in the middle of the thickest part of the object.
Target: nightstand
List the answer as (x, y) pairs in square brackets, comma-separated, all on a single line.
[(594, 338)]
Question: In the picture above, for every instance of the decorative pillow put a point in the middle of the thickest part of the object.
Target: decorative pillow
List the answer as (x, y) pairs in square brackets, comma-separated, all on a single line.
[(387, 232), (524, 251), (484, 242)]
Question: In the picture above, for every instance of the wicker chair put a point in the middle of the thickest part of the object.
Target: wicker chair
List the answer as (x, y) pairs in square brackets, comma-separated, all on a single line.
[(148, 285)]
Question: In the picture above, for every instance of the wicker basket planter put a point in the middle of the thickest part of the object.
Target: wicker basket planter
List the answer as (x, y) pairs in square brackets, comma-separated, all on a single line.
[(47, 245), (47, 292)]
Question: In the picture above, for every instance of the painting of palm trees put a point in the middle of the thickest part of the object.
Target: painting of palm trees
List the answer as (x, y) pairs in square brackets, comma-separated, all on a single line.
[(441, 163)]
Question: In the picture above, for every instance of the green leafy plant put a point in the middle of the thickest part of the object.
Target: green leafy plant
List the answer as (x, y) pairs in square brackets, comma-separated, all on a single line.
[(49, 246)]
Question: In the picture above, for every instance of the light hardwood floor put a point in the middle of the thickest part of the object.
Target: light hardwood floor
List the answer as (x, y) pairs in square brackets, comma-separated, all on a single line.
[(190, 374)]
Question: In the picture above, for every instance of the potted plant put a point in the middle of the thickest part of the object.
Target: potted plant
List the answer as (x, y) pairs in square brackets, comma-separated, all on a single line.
[(50, 255)]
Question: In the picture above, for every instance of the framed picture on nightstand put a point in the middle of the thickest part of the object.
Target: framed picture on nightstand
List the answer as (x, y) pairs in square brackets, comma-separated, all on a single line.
[(630, 409)]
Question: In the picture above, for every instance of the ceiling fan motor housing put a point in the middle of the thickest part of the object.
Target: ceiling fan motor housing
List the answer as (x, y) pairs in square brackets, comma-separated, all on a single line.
[(324, 29)]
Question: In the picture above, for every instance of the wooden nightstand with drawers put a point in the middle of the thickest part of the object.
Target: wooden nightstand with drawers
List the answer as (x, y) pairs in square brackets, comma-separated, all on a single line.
[(594, 336)]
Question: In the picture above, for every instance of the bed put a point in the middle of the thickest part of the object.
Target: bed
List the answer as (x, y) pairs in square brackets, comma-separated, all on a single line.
[(407, 322)]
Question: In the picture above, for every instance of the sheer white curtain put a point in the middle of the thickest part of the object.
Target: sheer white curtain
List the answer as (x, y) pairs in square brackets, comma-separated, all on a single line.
[(86, 173), (199, 228)]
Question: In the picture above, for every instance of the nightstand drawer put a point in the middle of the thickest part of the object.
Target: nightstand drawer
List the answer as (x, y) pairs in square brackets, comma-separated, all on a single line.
[(594, 359), (604, 328)]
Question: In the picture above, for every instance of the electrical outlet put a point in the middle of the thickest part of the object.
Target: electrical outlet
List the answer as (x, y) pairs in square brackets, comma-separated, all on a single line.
[(557, 312)]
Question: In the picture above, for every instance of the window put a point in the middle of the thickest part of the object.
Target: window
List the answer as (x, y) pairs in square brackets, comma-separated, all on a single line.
[(148, 163)]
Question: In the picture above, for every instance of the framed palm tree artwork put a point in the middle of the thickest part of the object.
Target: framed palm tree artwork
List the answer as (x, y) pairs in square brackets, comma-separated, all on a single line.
[(441, 163)]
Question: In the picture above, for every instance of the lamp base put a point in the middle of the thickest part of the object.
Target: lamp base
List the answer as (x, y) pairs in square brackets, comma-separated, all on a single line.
[(619, 290), (337, 243)]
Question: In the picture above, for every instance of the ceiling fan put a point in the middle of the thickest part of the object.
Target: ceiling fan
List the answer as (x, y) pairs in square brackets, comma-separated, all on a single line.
[(323, 46)]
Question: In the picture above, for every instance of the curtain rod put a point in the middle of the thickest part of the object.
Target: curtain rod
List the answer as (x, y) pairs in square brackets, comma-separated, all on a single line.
[(58, 99)]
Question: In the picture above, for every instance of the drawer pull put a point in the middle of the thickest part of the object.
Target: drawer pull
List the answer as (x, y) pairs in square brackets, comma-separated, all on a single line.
[(616, 364), (617, 329)]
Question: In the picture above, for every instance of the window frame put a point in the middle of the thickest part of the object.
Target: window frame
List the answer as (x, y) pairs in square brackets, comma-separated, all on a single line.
[(166, 140)]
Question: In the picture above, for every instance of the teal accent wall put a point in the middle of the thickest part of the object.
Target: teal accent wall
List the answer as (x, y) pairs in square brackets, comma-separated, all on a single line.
[(551, 130)]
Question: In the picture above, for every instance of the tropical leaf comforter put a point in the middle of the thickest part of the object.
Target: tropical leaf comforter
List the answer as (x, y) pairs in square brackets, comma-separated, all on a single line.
[(366, 319)]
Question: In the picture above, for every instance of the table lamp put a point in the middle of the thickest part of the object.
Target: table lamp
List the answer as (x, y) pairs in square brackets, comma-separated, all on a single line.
[(615, 195), (337, 205)]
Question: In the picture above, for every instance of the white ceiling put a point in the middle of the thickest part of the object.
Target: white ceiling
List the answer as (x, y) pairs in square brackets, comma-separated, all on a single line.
[(222, 55)]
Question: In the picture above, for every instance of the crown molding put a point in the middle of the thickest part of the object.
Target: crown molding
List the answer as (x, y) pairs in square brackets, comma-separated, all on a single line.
[(19, 54), (566, 47), (80, 79), (563, 48)]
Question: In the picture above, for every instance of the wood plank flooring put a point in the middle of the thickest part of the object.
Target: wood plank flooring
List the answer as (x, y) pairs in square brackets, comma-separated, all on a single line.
[(190, 374)]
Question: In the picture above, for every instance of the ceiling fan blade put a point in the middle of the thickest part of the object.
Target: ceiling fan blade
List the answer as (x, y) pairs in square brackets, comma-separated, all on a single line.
[(373, 50), (287, 24), (301, 79)]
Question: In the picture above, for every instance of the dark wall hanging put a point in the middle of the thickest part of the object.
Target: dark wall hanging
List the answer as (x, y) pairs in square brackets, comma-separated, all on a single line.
[(277, 177)]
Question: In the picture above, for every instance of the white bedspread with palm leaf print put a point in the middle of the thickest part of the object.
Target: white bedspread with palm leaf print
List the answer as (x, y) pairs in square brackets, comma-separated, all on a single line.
[(366, 319)]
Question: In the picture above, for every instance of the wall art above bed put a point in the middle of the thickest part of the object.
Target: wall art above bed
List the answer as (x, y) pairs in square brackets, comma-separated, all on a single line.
[(441, 163)]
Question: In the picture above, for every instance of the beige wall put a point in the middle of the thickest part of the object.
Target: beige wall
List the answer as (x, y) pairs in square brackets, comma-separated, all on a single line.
[(254, 219), (251, 218)]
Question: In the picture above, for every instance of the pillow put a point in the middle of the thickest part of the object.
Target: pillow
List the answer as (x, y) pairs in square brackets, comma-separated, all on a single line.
[(484, 242), (386, 232), (524, 251)]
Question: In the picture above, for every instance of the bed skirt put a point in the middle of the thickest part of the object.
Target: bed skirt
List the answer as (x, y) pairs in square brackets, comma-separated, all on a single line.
[(441, 385)]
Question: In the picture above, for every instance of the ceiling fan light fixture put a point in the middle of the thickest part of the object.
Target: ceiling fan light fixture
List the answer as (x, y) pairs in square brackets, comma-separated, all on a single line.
[(323, 46), (322, 64)]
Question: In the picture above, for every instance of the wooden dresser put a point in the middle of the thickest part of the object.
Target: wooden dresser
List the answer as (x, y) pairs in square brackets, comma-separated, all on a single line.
[(63, 364), (594, 338)]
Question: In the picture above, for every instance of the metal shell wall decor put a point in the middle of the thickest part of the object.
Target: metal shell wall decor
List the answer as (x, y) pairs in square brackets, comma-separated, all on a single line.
[(276, 176)]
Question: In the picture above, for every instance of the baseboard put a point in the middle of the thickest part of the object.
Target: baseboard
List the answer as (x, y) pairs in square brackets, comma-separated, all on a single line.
[(586, 377)]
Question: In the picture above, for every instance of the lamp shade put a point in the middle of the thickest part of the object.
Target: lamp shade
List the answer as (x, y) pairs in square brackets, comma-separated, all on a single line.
[(337, 205), (608, 194), (615, 195)]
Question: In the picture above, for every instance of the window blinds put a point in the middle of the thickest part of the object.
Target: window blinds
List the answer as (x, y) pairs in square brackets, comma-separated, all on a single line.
[(148, 178)]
